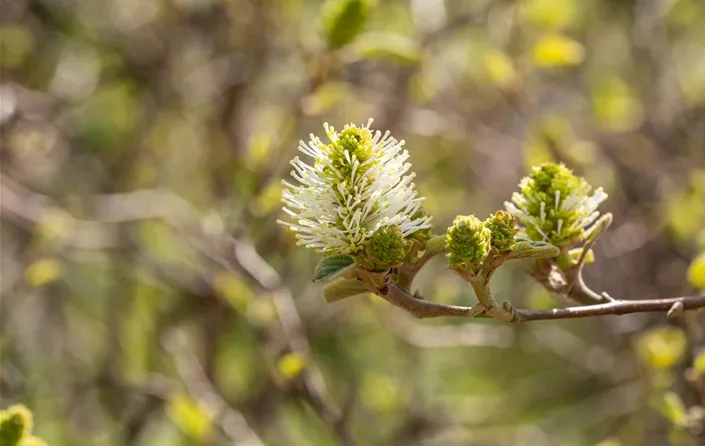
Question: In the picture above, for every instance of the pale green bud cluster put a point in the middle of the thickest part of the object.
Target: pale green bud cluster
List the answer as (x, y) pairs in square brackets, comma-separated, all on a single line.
[(467, 243), (503, 228), (386, 249)]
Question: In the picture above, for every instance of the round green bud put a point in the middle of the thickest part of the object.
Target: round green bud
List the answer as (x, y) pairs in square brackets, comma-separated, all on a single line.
[(503, 228), (386, 249), (467, 243)]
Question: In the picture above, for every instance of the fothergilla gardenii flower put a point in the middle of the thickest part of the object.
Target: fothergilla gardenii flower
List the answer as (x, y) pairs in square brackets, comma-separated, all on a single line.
[(357, 184), (554, 205)]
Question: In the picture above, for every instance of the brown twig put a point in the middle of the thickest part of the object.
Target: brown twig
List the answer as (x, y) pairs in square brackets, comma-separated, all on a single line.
[(423, 309)]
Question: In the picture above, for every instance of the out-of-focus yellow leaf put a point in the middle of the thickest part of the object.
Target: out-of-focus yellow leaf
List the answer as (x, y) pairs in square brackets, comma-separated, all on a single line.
[(188, 416), (550, 14), (557, 50), (685, 12), (233, 289), (291, 365), (327, 96), (699, 363), (536, 151), (684, 214), (616, 106), (343, 20), (388, 46), (662, 347), (42, 272), (53, 227), (500, 69), (381, 393), (674, 409), (258, 151), (262, 312), (696, 271), (268, 200), (16, 43), (580, 152), (107, 118)]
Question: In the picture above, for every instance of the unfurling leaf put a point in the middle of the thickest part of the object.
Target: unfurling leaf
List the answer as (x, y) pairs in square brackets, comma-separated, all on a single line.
[(525, 249), (331, 266), (340, 289)]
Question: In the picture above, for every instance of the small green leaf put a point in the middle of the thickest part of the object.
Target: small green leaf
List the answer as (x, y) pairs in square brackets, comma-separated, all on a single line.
[(436, 245), (340, 289), (533, 250), (330, 267), (343, 20)]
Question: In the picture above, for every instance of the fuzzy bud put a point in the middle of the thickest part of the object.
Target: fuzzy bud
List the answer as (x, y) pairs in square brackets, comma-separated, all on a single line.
[(386, 249), (503, 227), (467, 243)]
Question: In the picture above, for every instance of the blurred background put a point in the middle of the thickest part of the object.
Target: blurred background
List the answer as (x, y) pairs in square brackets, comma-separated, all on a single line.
[(150, 298)]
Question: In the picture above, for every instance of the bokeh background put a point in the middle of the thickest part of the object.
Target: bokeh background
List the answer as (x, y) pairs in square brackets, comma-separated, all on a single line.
[(150, 298)]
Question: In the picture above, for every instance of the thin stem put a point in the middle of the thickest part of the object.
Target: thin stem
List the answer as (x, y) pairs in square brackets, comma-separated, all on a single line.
[(422, 308)]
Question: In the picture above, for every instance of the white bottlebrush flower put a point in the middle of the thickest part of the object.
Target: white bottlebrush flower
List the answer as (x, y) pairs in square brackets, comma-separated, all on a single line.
[(554, 205), (356, 184)]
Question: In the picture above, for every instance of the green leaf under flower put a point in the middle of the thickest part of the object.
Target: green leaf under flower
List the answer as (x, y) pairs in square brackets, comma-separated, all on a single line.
[(332, 266)]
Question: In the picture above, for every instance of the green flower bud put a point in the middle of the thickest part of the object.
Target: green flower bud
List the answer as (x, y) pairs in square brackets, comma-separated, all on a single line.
[(386, 249), (467, 243), (503, 227), (554, 205)]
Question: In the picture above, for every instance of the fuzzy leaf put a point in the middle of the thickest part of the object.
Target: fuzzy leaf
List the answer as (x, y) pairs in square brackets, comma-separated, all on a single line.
[(331, 266), (533, 250), (599, 228), (340, 289)]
